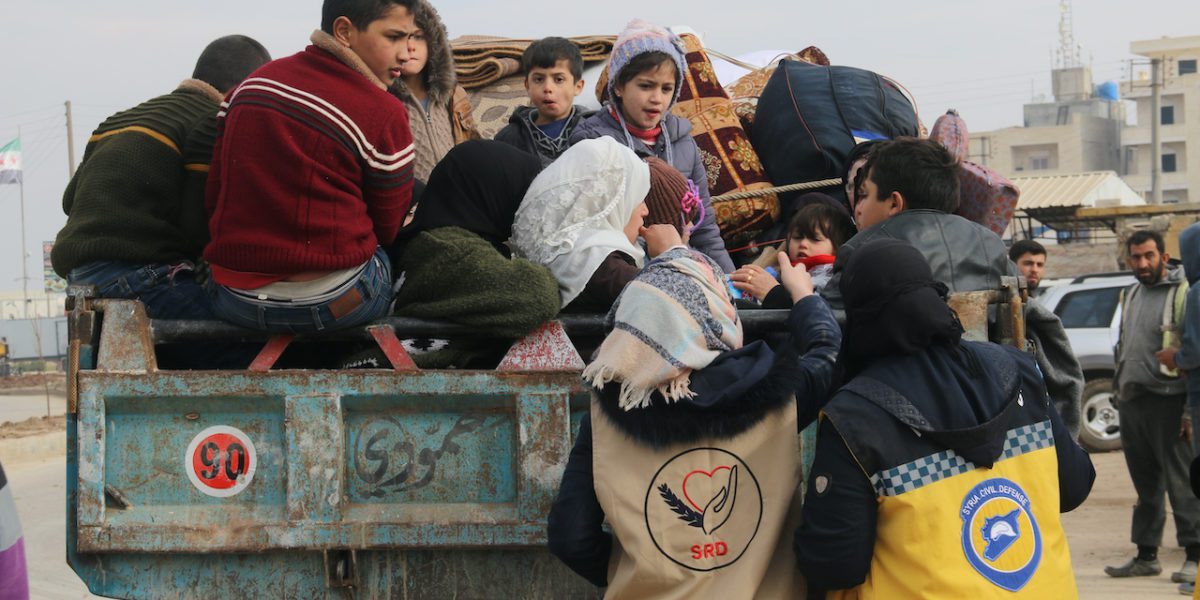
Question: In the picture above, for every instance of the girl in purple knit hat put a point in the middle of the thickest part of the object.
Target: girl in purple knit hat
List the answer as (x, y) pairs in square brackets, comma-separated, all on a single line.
[(645, 72)]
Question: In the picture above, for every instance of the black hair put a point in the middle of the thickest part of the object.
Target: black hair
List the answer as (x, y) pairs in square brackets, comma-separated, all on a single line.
[(1141, 237), (646, 61), (228, 60), (862, 150), (859, 151), (821, 220), (546, 52), (360, 12), (1022, 247), (922, 171)]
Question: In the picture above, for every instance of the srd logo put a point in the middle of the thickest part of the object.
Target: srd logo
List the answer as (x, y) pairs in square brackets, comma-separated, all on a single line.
[(1000, 537), (703, 508)]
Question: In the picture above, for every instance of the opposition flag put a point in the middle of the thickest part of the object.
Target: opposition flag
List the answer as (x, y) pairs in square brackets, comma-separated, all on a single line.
[(10, 162)]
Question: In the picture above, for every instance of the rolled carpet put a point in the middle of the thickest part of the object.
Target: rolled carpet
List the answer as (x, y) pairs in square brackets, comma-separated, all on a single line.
[(483, 60)]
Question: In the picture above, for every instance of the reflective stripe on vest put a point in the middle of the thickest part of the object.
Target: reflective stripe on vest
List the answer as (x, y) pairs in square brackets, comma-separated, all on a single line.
[(1172, 318)]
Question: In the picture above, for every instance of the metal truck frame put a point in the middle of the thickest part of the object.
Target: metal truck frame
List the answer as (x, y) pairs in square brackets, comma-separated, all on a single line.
[(374, 483)]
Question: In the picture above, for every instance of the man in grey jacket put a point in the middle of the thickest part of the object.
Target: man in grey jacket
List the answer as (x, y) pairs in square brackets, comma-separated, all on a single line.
[(911, 188), (1152, 401)]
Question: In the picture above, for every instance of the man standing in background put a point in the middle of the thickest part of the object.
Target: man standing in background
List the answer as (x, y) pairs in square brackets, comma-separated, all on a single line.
[(1151, 399)]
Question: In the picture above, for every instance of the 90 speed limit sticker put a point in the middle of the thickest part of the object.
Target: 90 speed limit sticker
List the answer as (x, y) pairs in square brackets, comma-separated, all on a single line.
[(220, 461)]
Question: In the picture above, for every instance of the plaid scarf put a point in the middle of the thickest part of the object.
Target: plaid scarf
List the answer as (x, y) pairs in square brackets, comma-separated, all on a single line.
[(674, 318)]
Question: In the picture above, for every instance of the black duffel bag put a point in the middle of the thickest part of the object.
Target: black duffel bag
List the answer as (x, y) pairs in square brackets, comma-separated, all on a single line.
[(810, 116)]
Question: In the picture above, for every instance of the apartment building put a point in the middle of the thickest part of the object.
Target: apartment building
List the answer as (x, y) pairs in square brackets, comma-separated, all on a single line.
[(1078, 132), (1178, 115)]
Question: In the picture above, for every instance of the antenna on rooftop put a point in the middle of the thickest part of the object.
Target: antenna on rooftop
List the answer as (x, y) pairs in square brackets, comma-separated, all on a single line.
[(1068, 54)]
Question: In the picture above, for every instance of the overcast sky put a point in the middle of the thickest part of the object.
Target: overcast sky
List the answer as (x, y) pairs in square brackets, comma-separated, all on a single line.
[(984, 58)]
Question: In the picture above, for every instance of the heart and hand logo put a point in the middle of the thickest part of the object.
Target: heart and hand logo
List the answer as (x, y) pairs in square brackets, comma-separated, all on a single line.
[(707, 499), (716, 509), (719, 504)]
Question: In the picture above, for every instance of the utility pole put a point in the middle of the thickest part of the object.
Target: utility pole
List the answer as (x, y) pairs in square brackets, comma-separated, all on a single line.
[(1155, 137), (24, 252), (70, 142)]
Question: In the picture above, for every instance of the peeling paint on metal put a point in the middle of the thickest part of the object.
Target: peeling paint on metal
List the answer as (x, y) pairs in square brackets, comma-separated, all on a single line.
[(547, 348), (438, 481), (971, 308)]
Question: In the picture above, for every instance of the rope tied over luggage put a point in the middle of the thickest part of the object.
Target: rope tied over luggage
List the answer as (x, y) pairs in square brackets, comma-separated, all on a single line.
[(794, 187)]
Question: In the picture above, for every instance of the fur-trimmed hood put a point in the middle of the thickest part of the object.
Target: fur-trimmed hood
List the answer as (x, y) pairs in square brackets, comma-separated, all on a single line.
[(439, 75), (327, 43), (203, 87), (733, 394)]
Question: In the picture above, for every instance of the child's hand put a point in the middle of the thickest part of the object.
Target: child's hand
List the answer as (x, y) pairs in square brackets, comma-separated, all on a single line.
[(798, 282), (660, 238), (754, 280)]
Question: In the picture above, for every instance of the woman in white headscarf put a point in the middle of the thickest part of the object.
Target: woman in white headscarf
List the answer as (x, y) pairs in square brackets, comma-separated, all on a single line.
[(580, 218), (583, 215)]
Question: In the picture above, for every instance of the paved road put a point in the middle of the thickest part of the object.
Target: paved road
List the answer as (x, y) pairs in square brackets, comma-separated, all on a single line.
[(25, 404), (41, 503), (1098, 533)]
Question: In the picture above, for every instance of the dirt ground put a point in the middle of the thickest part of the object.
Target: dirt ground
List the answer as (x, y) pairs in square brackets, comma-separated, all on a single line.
[(16, 389), (1098, 533), (33, 426), (56, 381)]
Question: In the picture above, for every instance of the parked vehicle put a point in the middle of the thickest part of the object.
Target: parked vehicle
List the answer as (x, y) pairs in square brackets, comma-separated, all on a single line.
[(1089, 307)]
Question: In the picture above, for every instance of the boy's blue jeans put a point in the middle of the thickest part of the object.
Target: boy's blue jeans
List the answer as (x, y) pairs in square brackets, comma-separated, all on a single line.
[(169, 291), (367, 299)]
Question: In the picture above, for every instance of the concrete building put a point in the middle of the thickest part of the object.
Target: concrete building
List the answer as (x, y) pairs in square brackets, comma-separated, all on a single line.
[(1078, 132), (1179, 118), (41, 305)]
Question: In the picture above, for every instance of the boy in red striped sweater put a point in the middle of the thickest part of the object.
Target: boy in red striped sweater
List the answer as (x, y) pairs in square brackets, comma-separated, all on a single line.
[(311, 175)]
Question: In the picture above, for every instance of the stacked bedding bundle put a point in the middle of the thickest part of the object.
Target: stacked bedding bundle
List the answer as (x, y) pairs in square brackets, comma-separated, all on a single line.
[(489, 68)]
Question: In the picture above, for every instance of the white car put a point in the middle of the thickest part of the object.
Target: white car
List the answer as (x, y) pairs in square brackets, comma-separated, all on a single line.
[(1089, 307)]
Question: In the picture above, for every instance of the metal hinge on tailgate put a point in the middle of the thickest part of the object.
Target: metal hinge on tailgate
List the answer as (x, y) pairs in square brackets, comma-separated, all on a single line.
[(341, 570), (82, 331)]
